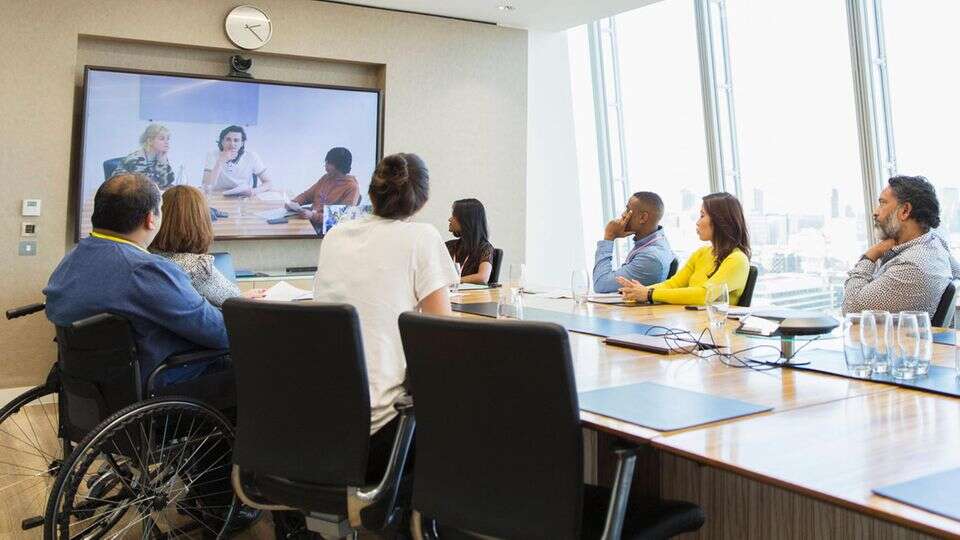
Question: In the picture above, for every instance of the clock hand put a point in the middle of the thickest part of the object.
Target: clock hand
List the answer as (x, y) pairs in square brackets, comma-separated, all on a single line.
[(253, 31)]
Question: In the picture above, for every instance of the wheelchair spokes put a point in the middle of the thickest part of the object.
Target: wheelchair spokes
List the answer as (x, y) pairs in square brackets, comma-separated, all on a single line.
[(160, 469), (31, 454)]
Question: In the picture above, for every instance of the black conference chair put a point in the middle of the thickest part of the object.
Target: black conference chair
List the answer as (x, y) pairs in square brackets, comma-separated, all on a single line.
[(948, 305), (747, 297), (224, 263), (496, 263), (674, 265), (499, 444), (303, 430), (110, 166)]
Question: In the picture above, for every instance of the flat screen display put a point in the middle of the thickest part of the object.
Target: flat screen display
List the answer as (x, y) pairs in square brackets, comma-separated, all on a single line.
[(257, 149)]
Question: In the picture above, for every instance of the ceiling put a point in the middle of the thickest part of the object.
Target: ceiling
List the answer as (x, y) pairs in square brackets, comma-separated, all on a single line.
[(549, 15)]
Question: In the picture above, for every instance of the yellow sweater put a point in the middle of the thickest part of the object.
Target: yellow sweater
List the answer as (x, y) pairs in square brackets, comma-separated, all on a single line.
[(688, 286)]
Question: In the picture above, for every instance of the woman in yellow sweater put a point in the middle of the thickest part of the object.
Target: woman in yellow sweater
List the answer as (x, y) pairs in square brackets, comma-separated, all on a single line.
[(725, 260)]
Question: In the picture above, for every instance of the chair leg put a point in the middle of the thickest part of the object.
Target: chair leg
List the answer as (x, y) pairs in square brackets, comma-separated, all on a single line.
[(617, 509)]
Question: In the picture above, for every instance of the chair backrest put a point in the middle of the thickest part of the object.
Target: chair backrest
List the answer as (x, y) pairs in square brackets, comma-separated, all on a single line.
[(674, 265), (99, 371), (496, 263), (109, 166), (747, 296), (303, 405), (499, 448), (224, 263), (946, 310)]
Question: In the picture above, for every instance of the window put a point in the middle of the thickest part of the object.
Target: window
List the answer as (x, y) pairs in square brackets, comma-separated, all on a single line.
[(921, 49), (664, 141), (800, 177)]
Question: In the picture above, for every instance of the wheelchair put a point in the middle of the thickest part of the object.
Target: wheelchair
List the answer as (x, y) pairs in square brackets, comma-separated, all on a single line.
[(97, 451)]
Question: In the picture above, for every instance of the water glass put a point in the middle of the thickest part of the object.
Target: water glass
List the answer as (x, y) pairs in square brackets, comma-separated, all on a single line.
[(516, 277), (580, 286), (856, 352), (883, 344), (242, 205), (956, 342), (510, 304), (718, 303), (904, 362), (454, 287), (925, 337)]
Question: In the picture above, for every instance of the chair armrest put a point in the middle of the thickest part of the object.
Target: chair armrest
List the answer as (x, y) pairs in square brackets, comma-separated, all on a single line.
[(404, 405), (617, 509), (24, 310), (183, 359), (359, 498)]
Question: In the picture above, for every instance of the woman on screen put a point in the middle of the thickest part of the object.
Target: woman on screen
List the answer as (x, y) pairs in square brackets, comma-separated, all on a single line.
[(185, 236), (725, 260), (334, 187), (150, 159), (384, 264), (471, 250), (233, 169)]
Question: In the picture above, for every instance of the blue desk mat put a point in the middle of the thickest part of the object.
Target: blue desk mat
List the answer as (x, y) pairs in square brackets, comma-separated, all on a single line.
[(935, 493), (664, 408), (582, 324), (939, 380), (945, 338)]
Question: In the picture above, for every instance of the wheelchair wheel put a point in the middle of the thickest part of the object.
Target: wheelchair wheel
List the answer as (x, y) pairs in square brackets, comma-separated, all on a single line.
[(31, 453), (157, 469)]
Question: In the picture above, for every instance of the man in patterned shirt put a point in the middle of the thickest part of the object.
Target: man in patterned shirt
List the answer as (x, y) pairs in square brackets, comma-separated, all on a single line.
[(912, 265)]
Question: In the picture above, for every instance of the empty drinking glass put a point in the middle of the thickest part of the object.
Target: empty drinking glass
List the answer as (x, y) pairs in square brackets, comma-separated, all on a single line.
[(580, 286), (904, 362), (858, 355), (925, 340), (510, 304), (884, 340), (454, 287), (718, 303), (516, 277)]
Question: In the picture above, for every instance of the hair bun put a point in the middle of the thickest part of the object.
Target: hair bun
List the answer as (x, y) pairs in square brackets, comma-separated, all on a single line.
[(394, 169)]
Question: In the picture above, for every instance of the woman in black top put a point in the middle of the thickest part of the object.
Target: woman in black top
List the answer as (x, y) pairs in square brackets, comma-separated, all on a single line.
[(471, 250)]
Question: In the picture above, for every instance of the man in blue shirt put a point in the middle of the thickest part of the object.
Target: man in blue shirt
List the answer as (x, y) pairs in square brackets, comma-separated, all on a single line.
[(649, 259), (111, 271)]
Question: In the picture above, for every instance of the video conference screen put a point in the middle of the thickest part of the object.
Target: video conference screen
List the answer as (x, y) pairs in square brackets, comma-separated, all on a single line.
[(257, 150)]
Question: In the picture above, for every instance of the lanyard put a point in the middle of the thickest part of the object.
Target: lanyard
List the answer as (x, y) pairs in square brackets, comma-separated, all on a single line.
[(115, 239)]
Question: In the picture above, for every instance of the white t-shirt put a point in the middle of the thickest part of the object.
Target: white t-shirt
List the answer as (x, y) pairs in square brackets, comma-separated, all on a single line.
[(382, 267), (233, 175)]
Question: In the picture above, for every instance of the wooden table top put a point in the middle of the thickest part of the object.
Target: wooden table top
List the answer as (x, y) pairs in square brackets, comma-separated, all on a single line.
[(829, 437), (235, 225)]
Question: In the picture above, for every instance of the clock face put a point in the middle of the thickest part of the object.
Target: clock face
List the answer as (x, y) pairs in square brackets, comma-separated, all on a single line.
[(248, 27)]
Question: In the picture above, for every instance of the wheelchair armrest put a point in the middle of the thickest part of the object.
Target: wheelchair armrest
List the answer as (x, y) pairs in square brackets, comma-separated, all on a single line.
[(183, 359), (385, 492)]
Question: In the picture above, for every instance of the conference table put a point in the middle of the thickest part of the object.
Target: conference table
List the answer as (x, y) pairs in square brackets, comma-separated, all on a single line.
[(244, 217), (804, 469)]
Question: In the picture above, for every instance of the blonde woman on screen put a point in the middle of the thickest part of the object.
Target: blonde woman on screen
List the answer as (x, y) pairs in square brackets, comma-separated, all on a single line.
[(150, 159)]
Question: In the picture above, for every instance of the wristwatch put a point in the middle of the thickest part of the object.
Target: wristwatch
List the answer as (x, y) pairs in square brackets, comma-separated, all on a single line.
[(650, 295)]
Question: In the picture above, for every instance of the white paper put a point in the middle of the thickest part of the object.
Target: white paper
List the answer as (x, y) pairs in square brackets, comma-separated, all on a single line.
[(285, 292), (276, 213), (270, 196)]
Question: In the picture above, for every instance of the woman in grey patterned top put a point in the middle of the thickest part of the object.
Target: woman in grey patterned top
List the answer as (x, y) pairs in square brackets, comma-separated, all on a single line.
[(150, 159), (185, 236)]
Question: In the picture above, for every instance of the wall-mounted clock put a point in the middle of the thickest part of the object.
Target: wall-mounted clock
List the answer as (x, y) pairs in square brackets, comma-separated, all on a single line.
[(248, 27)]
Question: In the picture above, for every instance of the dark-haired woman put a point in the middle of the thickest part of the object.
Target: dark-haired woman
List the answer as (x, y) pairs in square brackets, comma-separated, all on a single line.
[(725, 260), (471, 250), (384, 264), (334, 187)]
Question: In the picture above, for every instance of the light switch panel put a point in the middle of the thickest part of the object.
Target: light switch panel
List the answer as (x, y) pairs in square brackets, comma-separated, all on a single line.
[(28, 248)]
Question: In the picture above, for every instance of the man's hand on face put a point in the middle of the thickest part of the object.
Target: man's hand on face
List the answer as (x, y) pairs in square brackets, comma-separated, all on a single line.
[(876, 251), (617, 228)]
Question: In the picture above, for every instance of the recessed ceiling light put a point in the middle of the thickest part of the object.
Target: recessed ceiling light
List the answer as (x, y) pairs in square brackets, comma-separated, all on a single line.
[(506, 7)]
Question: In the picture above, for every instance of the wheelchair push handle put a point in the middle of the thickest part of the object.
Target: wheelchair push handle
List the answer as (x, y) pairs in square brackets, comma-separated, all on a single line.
[(23, 311)]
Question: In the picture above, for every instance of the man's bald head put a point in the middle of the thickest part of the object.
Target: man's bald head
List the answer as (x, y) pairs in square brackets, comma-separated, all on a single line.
[(123, 203)]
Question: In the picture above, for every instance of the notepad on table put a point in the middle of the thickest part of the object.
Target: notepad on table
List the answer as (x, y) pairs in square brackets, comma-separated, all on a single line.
[(285, 292)]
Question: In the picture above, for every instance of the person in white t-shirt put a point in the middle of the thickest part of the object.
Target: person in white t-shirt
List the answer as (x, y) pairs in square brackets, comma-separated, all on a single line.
[(231, 169), (384, 265)]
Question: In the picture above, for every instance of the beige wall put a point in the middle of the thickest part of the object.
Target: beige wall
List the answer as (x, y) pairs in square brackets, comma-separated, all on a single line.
[(455, 92)]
